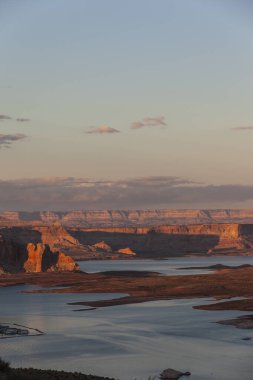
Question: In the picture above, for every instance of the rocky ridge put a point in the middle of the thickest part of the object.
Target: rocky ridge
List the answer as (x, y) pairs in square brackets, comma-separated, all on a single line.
[(172, 240), (19, 244), (124, 218)]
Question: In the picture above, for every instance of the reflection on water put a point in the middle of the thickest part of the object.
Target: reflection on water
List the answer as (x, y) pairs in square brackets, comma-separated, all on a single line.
[(129, 341), (168, 266)]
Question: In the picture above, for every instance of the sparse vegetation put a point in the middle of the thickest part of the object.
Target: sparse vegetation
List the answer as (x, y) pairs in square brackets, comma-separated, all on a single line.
[(4, 366), (8, 373)]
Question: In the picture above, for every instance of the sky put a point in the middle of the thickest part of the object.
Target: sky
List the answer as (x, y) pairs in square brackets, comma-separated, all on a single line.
[(126, 104)]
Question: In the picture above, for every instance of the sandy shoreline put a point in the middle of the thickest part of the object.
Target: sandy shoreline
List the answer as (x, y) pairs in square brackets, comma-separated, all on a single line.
[(146, 286)]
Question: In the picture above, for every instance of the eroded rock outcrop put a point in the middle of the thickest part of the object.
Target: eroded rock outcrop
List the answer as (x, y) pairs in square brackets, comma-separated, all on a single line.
[(119, 242), (127, 251), (16, 255), (34, 259), (102, 246), (42, 259), (56, 236)]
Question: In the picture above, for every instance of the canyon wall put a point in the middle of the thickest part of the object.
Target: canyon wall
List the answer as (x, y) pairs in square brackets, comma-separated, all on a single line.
[(168, 241), (54, 248), (124, 218)]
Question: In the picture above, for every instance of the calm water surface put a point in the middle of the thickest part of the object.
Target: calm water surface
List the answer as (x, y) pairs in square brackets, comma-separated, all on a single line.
[(169, 267), (130, 341)]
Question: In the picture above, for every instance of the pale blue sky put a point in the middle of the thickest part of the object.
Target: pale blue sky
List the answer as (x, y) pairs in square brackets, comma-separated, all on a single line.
[(69, 65)]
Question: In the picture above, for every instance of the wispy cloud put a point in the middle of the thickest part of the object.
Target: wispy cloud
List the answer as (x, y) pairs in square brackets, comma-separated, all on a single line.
[(103, 129), (18, 119), (149, 122), (7, 140), (4, 117), (137, 193), (243, 128), (22, 119)]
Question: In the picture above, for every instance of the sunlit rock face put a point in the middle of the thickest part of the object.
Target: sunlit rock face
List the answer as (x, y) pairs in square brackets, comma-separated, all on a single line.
[(42, 259), (172, 240), (127, 251), (102, 246), (17, 256), (54, 248), (124, 218), (34, 260), (56, 237)]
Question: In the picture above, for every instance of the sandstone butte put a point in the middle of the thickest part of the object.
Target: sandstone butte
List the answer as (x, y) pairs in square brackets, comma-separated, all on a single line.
[(18, 256), (42, 259)]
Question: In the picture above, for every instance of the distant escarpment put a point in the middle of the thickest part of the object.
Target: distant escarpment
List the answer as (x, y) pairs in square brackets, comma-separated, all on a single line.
[(124, 218), (22, 250), (172, 240)]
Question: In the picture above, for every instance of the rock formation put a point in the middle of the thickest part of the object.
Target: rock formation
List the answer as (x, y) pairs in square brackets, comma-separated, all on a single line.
[(102, 246), (127, 251), (124, 218), (172, 240), (19, 255), (119, 242), (42, 259), (172, 374)]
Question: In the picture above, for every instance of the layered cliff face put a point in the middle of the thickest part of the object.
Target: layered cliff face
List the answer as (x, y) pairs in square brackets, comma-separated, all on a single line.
[(42, 259), (167, 241), (57, 237), (48, 248), (123, 218), (18, 255)]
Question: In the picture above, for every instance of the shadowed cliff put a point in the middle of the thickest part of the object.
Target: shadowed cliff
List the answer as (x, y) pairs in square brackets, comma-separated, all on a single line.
[(46, 248), (166, 241), (23, 250)]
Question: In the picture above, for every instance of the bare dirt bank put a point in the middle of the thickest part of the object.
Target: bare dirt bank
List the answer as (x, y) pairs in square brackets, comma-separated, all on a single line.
[(146, 286)]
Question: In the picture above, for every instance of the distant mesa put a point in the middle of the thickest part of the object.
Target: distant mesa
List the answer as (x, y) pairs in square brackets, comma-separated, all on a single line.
[(124, 218)]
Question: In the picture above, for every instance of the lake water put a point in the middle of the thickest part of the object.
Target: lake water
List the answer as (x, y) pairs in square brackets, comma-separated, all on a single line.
[(168, 267), (131, 341)]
